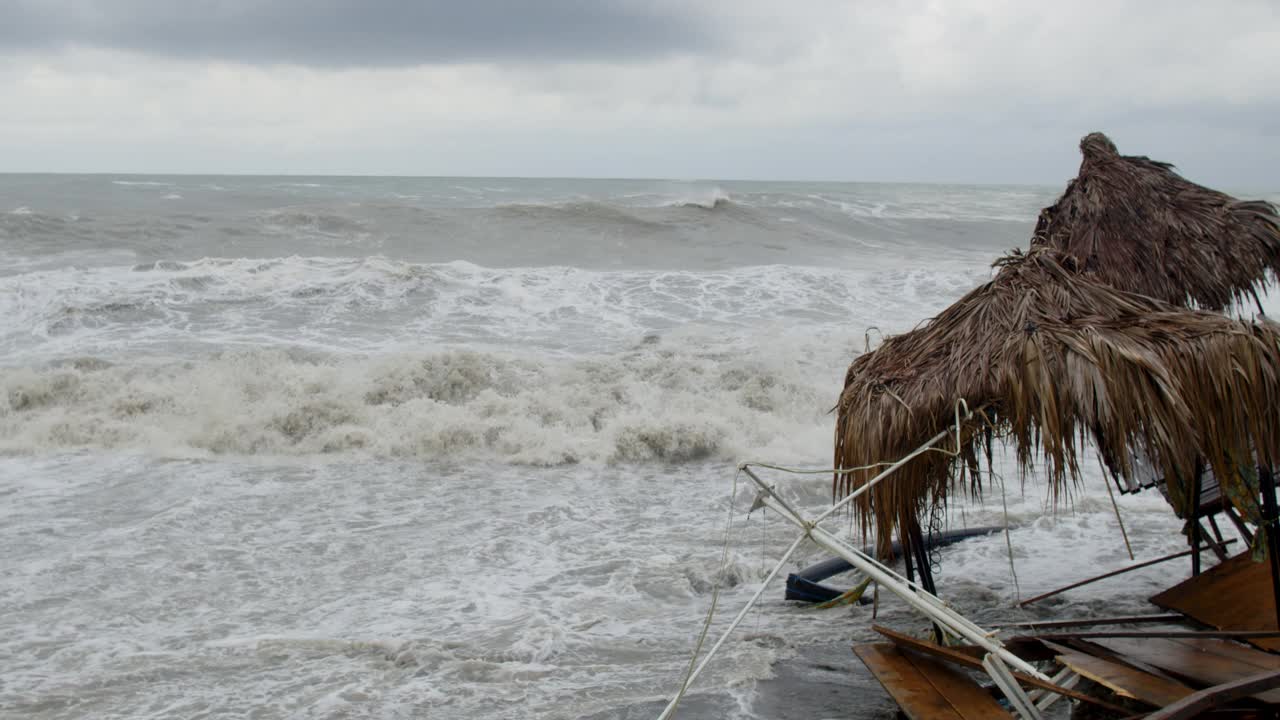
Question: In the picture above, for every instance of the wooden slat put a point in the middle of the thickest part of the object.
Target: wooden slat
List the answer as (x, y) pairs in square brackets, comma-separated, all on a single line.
[(1234, 651), (1099, 651), (915, 695), (925, 689), (1121, 679), (1084, 622), (965, 695), (1202, 662), (964, 660), (1168, 634), (1216, 696), (1235, 595)]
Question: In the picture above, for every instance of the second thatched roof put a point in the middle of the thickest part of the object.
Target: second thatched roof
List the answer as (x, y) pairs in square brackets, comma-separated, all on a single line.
[(1136, 224), (1053, 358)]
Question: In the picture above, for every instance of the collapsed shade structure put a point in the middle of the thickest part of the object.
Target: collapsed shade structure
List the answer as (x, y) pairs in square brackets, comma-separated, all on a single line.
[(1054, 358), (1134, 223)]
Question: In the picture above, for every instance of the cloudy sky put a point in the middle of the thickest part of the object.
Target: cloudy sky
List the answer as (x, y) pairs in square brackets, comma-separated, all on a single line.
[(949, 90)]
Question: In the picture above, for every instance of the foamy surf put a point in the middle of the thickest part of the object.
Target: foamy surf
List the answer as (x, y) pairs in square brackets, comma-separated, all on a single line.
[(377, 304), (356, 447), (651, 404)]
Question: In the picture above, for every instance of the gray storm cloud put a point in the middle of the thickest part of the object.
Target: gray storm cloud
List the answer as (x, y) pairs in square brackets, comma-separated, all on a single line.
[(352, 33)]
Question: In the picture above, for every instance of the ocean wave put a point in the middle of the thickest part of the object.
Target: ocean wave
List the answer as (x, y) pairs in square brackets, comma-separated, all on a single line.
[(23, 223), (321, 221), (708, 199), (377, 304), (647, 405), (1016, 208), (577, 213)]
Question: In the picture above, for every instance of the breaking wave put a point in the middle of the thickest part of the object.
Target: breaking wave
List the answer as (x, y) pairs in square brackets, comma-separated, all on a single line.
[(577, 213), (649, 404), (709, 199), (376, 304)]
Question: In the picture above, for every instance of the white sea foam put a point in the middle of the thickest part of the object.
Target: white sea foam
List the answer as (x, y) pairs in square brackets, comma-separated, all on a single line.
[(376, 304), (652, 404), (931, 204), (362, 587), (465, 591)]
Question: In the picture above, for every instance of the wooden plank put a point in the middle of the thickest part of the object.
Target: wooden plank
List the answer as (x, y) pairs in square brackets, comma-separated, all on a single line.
[(1099, 651), (1235, 651), (1201, 662), (1246, 587), (964, 660), (925, 689), (1121, 679), (1082, 622), (1209, 698), (970, 701), (1170, 634)]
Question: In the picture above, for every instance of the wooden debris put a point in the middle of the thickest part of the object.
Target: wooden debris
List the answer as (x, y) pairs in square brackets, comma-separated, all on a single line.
[(926, 689), (1083, 622), (1201, 662), (959, 658), (1113, 573), (1123, 680), (1188, 634), (1247, 582), (1209, 698)]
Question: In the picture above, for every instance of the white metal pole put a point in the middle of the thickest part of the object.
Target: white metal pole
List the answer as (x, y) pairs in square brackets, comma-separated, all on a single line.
[(671, 707), (927, 603)]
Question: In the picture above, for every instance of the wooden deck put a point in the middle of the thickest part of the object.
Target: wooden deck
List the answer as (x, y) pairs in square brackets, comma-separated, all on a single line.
[(1177, 673), (1247, 583)]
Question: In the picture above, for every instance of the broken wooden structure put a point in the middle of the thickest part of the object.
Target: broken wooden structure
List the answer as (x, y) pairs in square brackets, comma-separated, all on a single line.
[(1213, 655), (1087, 344)]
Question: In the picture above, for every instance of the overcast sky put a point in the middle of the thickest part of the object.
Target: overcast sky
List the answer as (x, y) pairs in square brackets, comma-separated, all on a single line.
[(951, 90)]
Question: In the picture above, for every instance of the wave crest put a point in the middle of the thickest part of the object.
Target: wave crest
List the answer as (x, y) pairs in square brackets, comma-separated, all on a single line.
[(709, 199), (640, 406)]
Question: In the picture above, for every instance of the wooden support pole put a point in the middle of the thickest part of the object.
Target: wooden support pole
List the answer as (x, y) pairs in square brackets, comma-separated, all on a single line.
[(1194, 521), (1217, 532), (917, 547), (905, 543), (1240, 526), (1213, 544), (1273, 532), (1104, 576)]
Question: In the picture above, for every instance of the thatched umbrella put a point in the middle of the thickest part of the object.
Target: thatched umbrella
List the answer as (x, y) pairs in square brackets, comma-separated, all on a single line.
[(1055, 357), (1138, 225)]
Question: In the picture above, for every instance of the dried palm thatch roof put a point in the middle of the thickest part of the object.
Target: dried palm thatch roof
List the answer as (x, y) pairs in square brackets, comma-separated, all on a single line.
[(1054, 358), (1138, 225)]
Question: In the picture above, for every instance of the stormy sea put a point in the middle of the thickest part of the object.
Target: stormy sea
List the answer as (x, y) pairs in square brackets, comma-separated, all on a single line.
[(282, 447)]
